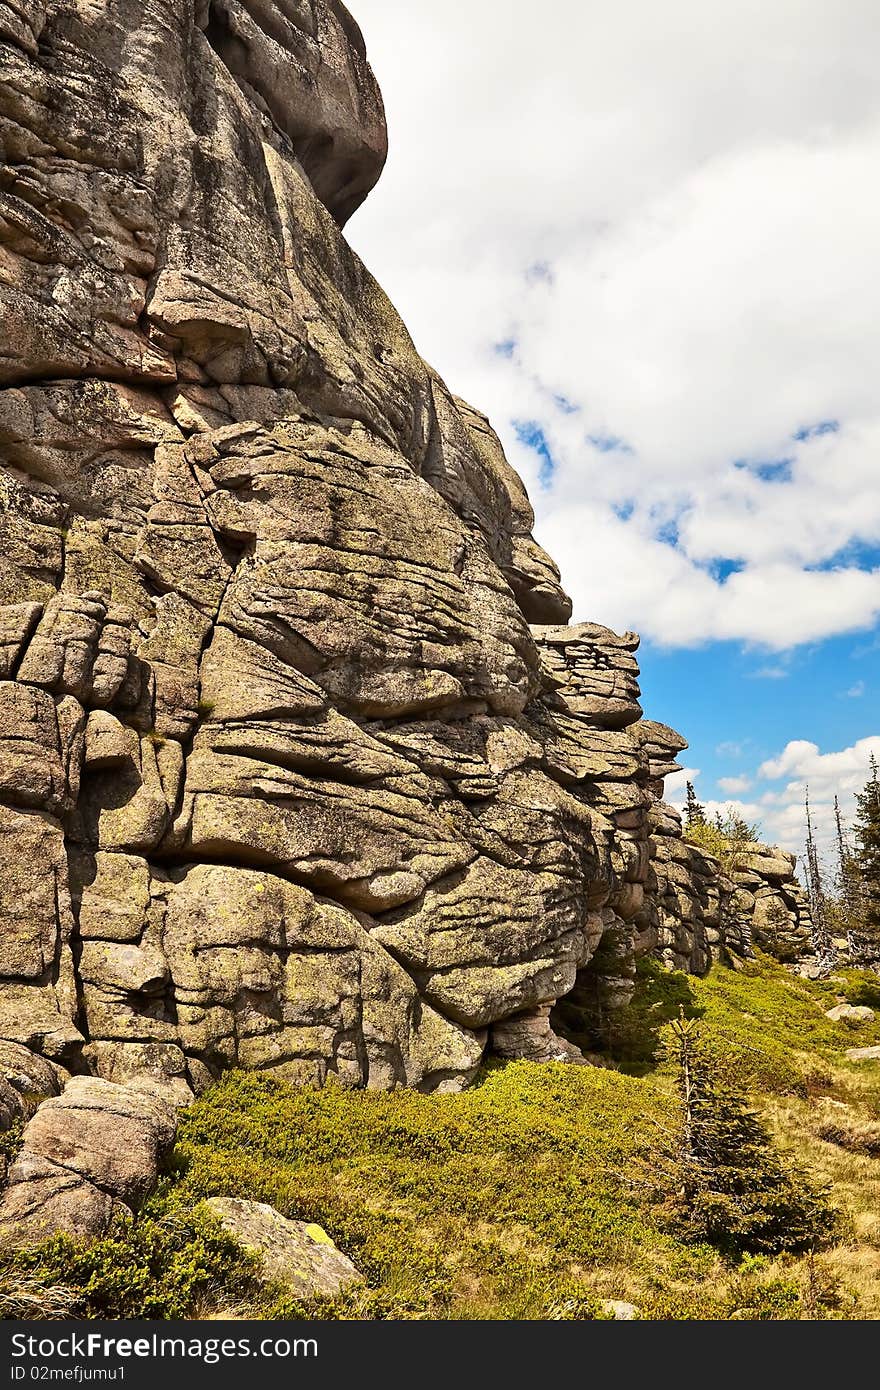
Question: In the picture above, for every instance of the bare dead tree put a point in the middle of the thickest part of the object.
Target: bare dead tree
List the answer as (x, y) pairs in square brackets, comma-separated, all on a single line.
[(823, 946), (848, 888), (841, 844)]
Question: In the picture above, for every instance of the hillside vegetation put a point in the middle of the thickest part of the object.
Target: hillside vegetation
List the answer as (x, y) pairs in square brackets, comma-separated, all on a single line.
[(540, 1193)]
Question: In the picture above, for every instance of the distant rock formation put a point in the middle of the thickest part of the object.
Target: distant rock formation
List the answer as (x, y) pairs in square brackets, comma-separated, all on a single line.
[(706, 912), (300, 766)]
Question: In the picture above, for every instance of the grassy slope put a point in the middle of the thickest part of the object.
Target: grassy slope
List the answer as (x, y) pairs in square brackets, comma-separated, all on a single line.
[(537, 1194)]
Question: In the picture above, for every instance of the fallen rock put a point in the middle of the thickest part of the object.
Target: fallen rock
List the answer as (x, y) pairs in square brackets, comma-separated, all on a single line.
[(88, 1155), (850, 1013), (25, 1081), (298, 1253), (529, 1036), (620, 1311), (863, 1054)]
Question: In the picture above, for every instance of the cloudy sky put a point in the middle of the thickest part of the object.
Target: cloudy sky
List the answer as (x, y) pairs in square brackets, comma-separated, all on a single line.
[(643, 238)]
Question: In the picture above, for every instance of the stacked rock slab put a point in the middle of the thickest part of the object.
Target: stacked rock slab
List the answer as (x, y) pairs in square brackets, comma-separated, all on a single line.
[(697, 910), (89, 1155), (594, 719), (691, 896), (769, 907), (706, 911)]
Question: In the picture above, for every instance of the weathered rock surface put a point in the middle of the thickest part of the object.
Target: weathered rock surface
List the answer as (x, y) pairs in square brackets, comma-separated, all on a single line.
[(850, 1013), (302, 788), (25, 1081), (296, 1253), (302, 766), (89, 1155), (704, 910), (707, 911)]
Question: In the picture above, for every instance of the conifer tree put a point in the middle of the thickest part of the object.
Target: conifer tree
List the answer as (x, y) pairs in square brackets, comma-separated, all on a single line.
[(867, 860), (735, 1190), (847, 887), (823, 946), (694, 811)]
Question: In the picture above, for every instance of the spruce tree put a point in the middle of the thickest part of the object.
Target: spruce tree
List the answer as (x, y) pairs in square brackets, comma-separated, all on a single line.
[(867, 857), (694, 811), (846, 908), (735, 1191), (826, 952)]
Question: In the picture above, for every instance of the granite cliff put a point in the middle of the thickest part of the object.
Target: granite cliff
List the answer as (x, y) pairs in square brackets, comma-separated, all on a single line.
[(301, 765)]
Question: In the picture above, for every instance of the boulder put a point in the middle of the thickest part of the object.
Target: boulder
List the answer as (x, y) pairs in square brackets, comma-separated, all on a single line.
[(850, 1013), (530, 1037), (863, 1054), (88, 1155), (620, 1311), (298, 1254)]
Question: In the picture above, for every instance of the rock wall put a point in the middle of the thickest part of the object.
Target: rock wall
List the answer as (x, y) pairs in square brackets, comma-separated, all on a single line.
[(708, 911), (300, 766), (769, 906), (285, 779)]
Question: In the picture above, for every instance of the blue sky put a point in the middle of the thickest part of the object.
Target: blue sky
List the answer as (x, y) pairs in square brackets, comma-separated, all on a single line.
[(825, 694), (660, 284)]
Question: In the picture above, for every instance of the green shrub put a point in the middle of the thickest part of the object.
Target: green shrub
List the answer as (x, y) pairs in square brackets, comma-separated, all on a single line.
[(767, 1028), (478, 1205), (11, 1140), (536, 1194), (732, 1188), (861, 987), (727, 838), (636, 1039), (142, 1269)]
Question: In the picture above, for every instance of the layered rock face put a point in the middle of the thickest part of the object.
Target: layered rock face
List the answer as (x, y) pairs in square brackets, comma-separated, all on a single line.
[(287, 781), (300, 766), (90, 1155), (706, 911)]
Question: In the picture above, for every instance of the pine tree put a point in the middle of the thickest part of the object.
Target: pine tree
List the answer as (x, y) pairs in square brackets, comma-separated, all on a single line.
[(867, 861), (735, 1190), (694, 811)]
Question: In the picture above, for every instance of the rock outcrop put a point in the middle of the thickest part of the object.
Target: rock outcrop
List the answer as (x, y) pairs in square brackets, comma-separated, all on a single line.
[(708, 910), (89, 1155), (287, 779), (301, 765)]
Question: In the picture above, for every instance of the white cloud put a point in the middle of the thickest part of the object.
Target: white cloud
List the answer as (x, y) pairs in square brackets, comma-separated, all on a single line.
[(732, 749), (779, 787), (675, 786), (845, 770), (856, 691), (734, 785), (710, 293), (770, 673), (802, 765)]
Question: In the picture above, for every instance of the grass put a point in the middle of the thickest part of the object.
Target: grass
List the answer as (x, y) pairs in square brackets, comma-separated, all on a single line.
[(769, 1030), (538, 1194)]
